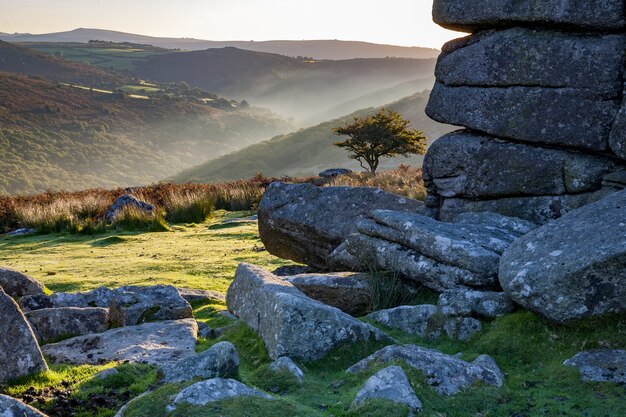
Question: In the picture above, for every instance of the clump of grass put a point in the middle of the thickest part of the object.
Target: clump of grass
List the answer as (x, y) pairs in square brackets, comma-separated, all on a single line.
[(189, 207), (404, 180), (388, 290)]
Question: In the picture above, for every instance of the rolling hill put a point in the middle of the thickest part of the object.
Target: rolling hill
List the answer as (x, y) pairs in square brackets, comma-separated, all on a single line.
[(56, 137), (308, 151), (319, 49)]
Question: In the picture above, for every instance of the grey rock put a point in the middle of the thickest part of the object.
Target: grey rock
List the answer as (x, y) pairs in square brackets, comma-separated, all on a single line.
[(409, 264), (25, 231), (573, 267), (349, 292), (390, 384), (617, 140), (447, 374), (125, 202), (603, 365), (290, 323), (11, 407), (221, 360), (100, 297), (305, 223), (341, 258), (528, 114), (17, 284), (461, 328), (210, 333), (469, 165), (160, 343), (135, 305), (335, 172), (227, 314), (212, 390), (287, 364), (53, 323), (530, 57), (106, 373), (191, 295), (466, 302), (471, 15), (19, 352), (488, 219), (290, 270), (615, 179)]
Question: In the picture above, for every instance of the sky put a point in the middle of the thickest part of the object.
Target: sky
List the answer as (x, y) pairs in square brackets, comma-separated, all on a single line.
[(397, 22)]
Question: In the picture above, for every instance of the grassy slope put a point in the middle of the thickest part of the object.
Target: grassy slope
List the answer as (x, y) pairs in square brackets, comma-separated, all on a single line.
[(308, 151), (528, 349)]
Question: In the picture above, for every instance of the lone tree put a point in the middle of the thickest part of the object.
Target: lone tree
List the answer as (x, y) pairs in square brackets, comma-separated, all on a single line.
[(385, 134)]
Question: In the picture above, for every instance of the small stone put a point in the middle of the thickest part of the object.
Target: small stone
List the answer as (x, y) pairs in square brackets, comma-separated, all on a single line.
[(106, 373), (221, 360), (286, 364), (11, 407), (389, 384), (191, 295), (16, 284), (465, 302), (212, 390), (135, 305)]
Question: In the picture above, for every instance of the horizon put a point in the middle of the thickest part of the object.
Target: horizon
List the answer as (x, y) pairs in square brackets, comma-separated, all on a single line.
[(236, 21)]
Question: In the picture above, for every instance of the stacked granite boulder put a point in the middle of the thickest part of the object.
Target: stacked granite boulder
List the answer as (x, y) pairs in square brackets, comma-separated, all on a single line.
[(539, 87)]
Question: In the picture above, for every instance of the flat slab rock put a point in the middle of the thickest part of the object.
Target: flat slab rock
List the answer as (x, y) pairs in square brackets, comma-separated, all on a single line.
[(17, 284), (290, 323), (158, 343), (221, 360), (557, 273), (191, 295), (603, 365), (389, 384), (132, 305), (11, 407), (51, 323), (212, 390), (447, 374), (99, 297), (465, 302)]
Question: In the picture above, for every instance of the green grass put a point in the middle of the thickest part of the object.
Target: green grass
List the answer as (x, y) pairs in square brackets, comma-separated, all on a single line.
[(119, 59)]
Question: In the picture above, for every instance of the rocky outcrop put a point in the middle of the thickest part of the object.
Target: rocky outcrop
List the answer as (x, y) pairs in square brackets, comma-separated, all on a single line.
[(16, 285), (19, 352), (10, 407), (221, 360), (305, 223), (540, 86), (135, 305), (212, 390), (573, 267), (53, 323), (604, 365), (290, 323), (389, 384)]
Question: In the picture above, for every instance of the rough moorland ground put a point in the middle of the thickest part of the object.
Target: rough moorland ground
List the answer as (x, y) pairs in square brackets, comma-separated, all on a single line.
[(528, 349)]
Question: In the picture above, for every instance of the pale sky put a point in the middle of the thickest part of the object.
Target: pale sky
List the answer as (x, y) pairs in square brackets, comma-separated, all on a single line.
[(399, 22)]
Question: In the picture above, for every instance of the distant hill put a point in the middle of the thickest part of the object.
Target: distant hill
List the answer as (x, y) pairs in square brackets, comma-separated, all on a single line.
[(64, 138), (308, 151), (294, 87), (17, 59), (319, 49)]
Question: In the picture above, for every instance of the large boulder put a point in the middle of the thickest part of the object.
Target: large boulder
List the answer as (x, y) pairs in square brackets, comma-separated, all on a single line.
[(469, 165), (160, 343), (53, 323), (447, 374), (10, 407), (99, 297), (17, 285), (19, 352), (305, 223), (290, 323), (603, 365), (389, 384), (135, 305), (470, 15), (573, 267), (221, 360), (212, 390)]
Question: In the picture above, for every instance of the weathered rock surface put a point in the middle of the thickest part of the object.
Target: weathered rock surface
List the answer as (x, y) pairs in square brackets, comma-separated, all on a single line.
[(221, 360), (125, 202), (573, 267), (290, 270), (19, 351), (160, 343), (465, 302), (349, 292), (191, 295), (52, 323), (447, 374), (390, 384), (604, 365), (468, 165), (212, 390), (529, 114), (617, 140), (287, 364), (100, 297), (11, 407), (488, 219), (135, 305), (335, 172), (16, 285), (305, 223), (487, 14), (290, 323)]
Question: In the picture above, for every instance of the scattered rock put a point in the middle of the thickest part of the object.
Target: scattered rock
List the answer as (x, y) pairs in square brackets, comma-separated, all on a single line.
[(16, 285), (124, 202), (22, 232), (106, 373), (305, 223), (212, 390), (447, 374), (221, 360), (135, 305), (465, 302), (600, 365), (53, 323), (160, 343), (100, 297), (201, 295), (290, 323), (286, 364), (19, 352), (390, 384), (10, 407), (557, 273), (335, 172)]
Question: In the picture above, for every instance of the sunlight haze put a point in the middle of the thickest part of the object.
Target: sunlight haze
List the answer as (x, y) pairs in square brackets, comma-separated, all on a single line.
[(398, 22)]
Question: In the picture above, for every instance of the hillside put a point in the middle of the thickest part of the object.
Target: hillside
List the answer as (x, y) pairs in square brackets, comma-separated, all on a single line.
[(18, 59), (308, 151), (64, 138), (295, 87), (320, 49)]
